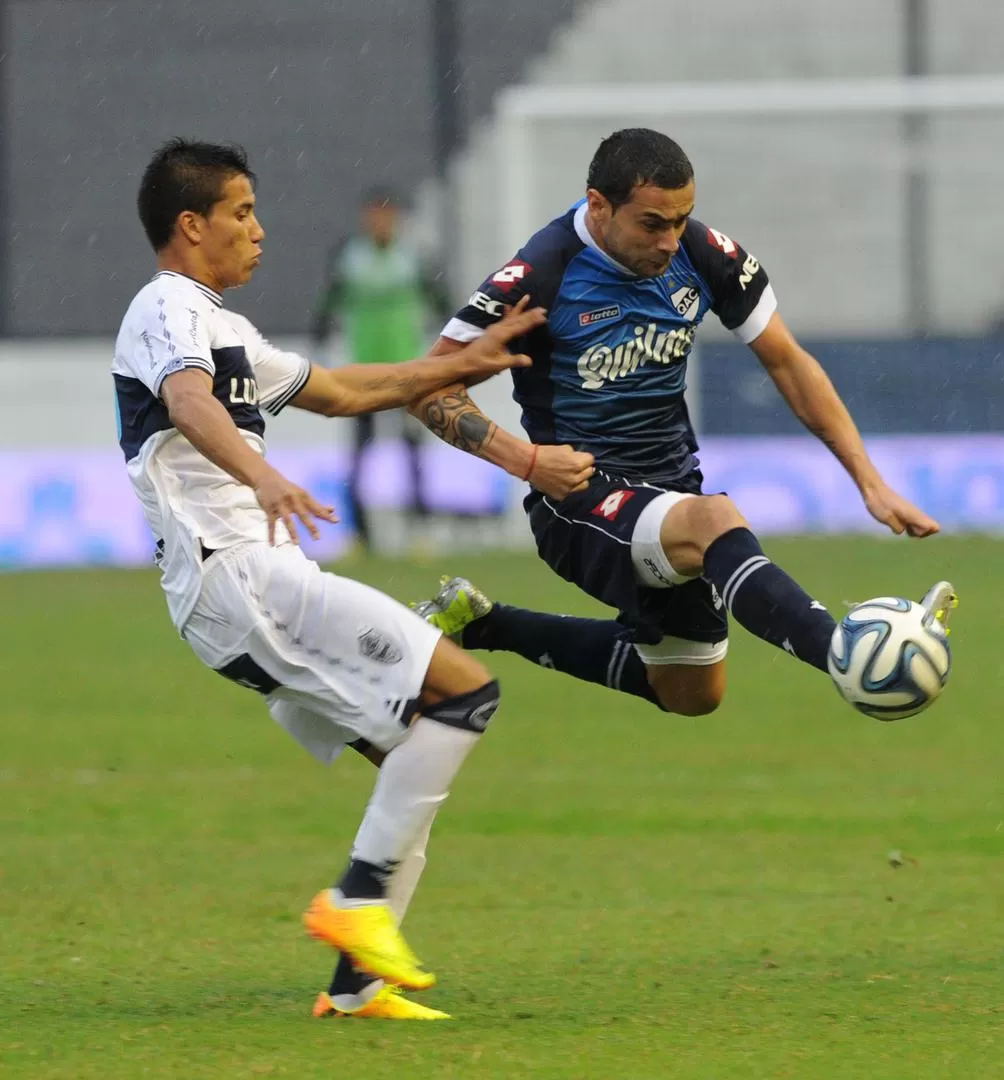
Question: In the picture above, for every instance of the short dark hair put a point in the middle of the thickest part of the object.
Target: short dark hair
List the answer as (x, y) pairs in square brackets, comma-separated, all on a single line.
[(636, 156), (380, 196), (185, 175)]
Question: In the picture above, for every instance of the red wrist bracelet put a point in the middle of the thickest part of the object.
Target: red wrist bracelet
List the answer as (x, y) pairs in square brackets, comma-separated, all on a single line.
[(533, 462)]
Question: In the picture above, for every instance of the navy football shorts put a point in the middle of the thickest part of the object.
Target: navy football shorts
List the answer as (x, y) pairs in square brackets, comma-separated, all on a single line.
[(586, 539)]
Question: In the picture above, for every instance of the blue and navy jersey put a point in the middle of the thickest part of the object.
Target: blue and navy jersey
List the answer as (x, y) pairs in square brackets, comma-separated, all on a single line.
[(610, 366)]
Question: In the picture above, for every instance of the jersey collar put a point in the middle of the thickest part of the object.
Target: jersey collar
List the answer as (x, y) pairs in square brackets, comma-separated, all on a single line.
[(583, 233), (208, 293)]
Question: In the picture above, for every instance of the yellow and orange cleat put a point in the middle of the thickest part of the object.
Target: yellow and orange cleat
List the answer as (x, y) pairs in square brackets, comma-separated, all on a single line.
[(369, 936), (388, 1004)]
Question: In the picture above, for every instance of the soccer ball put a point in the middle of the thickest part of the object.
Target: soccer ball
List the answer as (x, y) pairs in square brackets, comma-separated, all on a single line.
[(889, 658)]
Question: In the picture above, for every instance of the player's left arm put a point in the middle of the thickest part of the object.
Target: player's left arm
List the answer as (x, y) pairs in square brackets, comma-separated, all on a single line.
[(807, 388)]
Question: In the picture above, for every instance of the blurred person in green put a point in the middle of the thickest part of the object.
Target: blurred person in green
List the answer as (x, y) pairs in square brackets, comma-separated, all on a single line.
[(380, 292)]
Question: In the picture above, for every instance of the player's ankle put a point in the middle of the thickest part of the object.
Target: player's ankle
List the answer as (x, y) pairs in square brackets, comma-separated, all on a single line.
[(364, 881)]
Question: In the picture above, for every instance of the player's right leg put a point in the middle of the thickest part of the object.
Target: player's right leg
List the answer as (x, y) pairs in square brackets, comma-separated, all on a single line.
[(366, 667), (457, 699), (707, 535), (352, 993)]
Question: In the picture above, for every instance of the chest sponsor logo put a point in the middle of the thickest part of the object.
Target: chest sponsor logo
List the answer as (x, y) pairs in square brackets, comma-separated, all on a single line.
[(686, 302), (511, 274), (587, 318), (600, 364), (612, 505), (750, 268), (723, 243), (375, 645)]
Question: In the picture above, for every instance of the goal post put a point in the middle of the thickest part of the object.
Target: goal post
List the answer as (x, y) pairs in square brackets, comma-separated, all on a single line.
[(874, 203)]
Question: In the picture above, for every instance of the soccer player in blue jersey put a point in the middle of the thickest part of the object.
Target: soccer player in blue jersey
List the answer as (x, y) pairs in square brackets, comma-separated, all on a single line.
[(627, 275)]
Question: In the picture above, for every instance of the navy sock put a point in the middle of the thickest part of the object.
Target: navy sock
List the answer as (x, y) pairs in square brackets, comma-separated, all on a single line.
[(364, 881), (761, 596), (346, 979), (595, 650)]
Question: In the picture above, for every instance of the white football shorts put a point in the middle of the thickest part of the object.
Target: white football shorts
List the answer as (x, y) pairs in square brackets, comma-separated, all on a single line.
[(336, 659)]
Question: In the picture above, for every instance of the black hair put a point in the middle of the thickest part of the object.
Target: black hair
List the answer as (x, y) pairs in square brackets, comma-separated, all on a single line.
[(380, 196), (636, 156), (185, 175)]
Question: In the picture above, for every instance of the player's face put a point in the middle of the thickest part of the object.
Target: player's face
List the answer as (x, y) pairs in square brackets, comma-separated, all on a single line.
[(380, 222), (644, 233), (232, 235)]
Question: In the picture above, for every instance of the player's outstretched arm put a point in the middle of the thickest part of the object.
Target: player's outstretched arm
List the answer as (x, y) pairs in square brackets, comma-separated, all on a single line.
[(806, 387), (209, 428), (451, 415), (366, 388)]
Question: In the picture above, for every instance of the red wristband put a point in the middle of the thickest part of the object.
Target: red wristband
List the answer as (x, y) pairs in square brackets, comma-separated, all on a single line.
[(533, 462)]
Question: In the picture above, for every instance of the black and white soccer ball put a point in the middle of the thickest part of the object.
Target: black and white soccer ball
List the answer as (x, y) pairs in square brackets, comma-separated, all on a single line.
[(889, 658)]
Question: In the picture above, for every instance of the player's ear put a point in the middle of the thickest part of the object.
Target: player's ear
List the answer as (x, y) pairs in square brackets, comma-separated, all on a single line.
[(599, 205), (190, 224)]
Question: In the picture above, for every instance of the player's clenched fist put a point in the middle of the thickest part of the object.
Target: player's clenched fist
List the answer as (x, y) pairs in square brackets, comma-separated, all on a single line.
[(283, 500), (897, 513), (559, 470)]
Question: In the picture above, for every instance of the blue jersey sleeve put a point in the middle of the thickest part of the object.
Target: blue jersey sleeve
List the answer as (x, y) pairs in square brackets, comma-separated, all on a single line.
[(535, 271), (741, 294)]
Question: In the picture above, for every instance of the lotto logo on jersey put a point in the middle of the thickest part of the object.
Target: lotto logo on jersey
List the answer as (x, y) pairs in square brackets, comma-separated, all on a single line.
[(587, 318), (511, 274), (612, 505), (723, 243)]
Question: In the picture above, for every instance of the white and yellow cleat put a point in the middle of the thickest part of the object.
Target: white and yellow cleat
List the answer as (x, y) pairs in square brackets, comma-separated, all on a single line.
[(388, 1004), (939, 602)]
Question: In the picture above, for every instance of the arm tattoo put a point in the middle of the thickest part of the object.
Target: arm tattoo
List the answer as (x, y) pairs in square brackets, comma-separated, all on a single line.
[(455, 419)]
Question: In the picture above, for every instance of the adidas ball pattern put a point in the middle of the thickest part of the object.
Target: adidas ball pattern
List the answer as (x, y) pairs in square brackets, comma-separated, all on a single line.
[(888, 658)]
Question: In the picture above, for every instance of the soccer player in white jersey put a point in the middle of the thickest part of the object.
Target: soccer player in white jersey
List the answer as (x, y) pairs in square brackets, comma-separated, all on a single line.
[(337, 662)]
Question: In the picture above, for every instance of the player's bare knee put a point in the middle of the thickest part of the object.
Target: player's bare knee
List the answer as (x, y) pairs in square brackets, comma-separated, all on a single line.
[(452, 672), (701, 703), (688, 690), (698, 522)]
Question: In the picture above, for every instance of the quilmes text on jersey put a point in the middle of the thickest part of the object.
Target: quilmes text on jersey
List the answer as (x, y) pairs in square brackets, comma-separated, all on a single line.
[(601, 363)]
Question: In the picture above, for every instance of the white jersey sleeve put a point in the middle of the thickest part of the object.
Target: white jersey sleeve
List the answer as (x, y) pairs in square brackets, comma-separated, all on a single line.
[(280, 375), (169, 332)]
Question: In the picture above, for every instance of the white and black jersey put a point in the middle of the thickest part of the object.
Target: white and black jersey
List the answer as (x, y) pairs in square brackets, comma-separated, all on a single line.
[(174, 323)]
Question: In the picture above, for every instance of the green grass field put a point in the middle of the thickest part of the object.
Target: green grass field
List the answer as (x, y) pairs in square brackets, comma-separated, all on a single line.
[(611, 892)]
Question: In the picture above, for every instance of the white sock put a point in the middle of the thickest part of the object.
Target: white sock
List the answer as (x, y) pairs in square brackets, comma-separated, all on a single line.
[(401, 890), (405, 880), (414, 780)]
